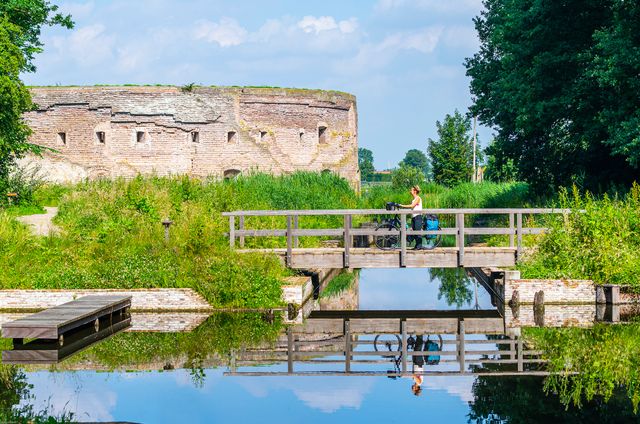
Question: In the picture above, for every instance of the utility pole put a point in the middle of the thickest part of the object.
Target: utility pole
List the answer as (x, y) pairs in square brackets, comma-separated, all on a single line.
[(473, 177)]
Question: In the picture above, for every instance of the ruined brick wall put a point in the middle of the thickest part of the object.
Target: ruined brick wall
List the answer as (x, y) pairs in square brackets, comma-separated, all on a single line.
[(126, 131)]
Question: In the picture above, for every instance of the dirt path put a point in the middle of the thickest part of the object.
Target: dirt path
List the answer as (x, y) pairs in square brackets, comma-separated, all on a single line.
[(41, 224)]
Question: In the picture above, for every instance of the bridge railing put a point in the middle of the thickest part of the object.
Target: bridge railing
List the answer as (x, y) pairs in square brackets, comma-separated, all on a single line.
[(292, 232)]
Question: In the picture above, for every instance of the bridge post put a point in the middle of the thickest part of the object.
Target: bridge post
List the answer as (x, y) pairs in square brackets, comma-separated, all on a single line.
[(403, 240), (512, 228), (241, 227), (347, 346), (232, 231), (296, 241), (403, 330), (460, 238), (289, 350), (289, 241), (461, 347), (520, 355), (347, 240), (519, 233)]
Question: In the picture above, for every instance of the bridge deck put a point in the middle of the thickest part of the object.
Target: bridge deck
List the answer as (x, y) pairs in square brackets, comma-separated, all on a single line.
[(441, 257)]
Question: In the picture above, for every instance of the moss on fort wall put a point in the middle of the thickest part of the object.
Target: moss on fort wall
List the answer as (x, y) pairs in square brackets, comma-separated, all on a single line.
[(262, 90)]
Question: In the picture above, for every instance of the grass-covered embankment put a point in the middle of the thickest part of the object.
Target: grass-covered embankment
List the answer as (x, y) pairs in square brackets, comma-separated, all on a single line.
[(599, 240), (590, 362), (112, 237)]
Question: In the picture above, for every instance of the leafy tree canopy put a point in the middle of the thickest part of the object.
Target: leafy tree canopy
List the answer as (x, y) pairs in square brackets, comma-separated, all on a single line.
[(20, 24), (417, 159), (558, 80), (452, 153), (30, 16), (406, 177), (365, 162)]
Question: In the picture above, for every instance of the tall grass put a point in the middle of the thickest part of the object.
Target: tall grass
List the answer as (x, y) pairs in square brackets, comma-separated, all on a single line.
[(112, 235), (586, 363), (599, 240)]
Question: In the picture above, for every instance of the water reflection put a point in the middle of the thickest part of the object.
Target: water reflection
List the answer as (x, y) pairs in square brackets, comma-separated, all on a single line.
[(489, 364)]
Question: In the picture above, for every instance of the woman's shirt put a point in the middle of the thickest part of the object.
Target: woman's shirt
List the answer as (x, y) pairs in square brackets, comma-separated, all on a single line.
[(418, 206)]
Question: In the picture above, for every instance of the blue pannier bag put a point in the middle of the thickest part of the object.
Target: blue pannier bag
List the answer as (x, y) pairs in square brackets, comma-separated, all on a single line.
[(431, 223), (432, 346)]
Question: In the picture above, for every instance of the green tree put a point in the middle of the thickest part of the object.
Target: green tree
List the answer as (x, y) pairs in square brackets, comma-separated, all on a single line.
[(558, 80), (405, 177), (499, 169), (20, 25), (365, 162), (452, 154), (30, 16), (417, 159)]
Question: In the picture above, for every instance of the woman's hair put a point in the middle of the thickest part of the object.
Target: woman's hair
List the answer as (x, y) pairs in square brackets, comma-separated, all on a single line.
[(416, 389), (416, 188)]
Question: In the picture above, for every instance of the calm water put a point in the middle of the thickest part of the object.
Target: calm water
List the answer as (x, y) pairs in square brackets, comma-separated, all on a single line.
[(195, 385)]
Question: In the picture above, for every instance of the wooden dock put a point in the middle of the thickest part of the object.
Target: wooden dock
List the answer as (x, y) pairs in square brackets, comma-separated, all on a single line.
[(286, 241), (42, 351), (53, 323)]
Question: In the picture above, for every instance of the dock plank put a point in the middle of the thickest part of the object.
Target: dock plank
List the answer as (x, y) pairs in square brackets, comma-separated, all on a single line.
[(53, 322)]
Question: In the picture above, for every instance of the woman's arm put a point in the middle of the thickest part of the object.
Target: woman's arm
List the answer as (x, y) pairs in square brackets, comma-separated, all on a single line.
[(416, 200)]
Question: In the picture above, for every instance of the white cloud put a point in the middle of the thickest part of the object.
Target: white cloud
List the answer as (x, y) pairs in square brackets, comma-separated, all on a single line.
[(77, 10), (438, 6), (88, 45), (424, 41), (226, 32), (379, 55), (327, 394), (459, 36), (327, 23)]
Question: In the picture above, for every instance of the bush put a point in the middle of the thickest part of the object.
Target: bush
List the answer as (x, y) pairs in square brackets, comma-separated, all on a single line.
[(406, 177), (599, 240)]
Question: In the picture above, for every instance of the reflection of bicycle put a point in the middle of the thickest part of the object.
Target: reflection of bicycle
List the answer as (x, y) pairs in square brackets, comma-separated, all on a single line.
[(391, 342), (392, 225)]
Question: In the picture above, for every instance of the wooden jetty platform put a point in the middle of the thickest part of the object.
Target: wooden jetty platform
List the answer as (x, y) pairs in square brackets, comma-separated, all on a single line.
[(286, 238), (53, 323), (41, 351)]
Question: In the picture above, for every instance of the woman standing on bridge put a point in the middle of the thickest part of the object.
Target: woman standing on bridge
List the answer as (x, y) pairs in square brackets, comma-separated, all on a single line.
[(416, 219)]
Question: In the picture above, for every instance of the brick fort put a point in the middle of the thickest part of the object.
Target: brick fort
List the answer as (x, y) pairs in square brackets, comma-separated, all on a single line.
[(108, 132)]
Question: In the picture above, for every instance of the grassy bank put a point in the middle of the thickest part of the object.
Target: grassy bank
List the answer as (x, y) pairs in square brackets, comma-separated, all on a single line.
[(599, 240), (588, 363), (112, 237)]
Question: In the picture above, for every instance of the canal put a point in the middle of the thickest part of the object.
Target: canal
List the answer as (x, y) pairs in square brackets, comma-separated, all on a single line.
[(347, 362)]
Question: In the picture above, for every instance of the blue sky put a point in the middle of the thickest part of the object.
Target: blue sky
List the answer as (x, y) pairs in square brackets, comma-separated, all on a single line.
[(401, 58)]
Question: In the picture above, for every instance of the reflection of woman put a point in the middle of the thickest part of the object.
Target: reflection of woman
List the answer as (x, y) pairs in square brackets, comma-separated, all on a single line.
[(416, 220), (418, 366)]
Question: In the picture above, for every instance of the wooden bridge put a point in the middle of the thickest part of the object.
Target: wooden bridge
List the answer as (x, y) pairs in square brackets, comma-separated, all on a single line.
[(343, 343), (348, 256)]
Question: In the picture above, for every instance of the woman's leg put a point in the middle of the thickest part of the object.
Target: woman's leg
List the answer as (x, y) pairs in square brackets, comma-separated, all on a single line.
[(416, 225)]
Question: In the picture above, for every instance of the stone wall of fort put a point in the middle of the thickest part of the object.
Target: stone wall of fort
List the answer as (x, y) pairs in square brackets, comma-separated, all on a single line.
[(125, 131)]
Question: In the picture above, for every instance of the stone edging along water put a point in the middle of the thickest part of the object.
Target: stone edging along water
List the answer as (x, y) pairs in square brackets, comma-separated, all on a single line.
[(157, 300), (295, 290)]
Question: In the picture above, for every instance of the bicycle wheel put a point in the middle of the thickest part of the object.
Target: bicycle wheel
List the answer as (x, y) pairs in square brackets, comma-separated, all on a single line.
[(386, 241), (433, 241), (387, 342)]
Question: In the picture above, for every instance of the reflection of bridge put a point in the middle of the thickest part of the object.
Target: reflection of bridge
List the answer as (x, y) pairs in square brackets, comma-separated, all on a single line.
[(349, 256), (341, 343)]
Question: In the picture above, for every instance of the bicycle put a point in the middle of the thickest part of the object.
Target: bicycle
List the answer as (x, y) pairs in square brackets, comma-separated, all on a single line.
[(389, 341), (392, 241)]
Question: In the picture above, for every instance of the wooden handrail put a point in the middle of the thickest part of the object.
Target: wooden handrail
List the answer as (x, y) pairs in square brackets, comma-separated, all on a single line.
[(467, 211), (515, 230)]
